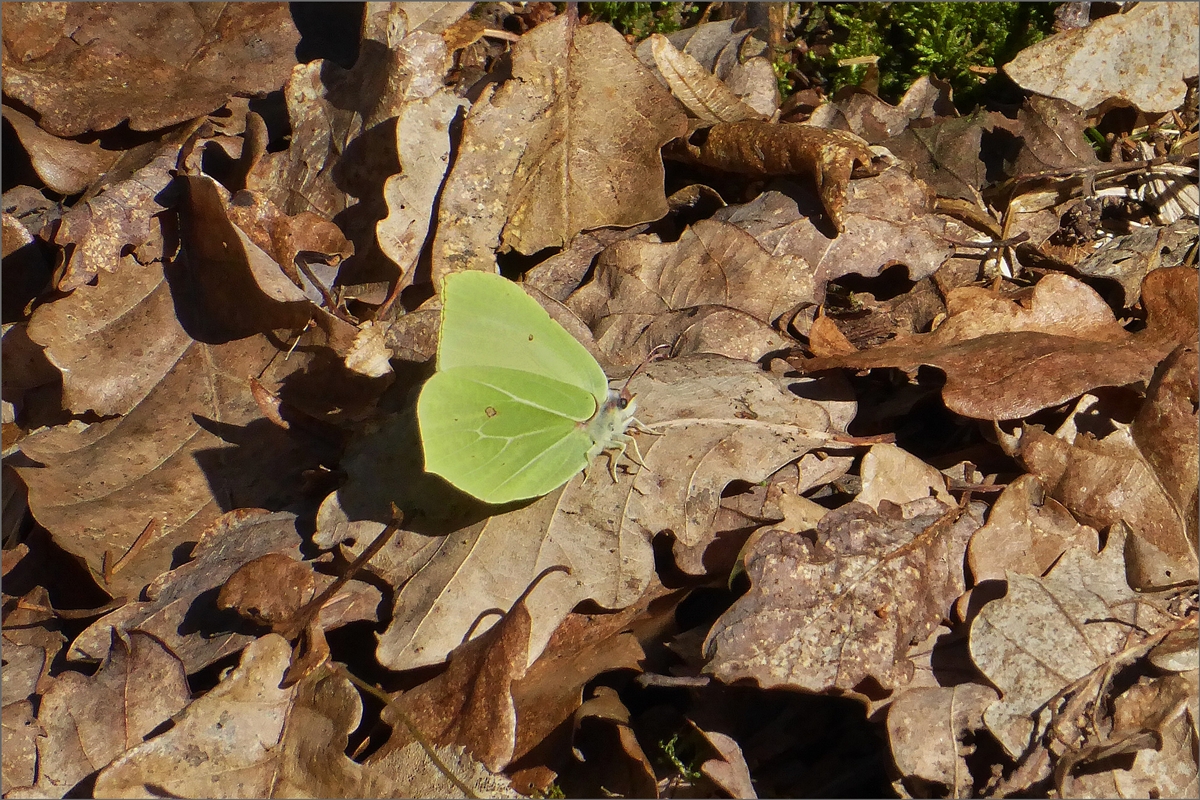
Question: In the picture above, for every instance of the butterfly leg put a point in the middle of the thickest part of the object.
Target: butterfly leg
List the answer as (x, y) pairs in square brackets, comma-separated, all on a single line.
[(637, 425)]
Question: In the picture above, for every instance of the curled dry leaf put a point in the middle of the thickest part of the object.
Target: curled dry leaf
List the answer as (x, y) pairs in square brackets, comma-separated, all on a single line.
[(584, 646), (175, 62), (717, 420), (470, 704), (1109, 59), (1145, 474), (729, 771), (571, 143), (89, 721), (831, 615), (825, 158), (705, 95), (1003, 360), (65, 166)]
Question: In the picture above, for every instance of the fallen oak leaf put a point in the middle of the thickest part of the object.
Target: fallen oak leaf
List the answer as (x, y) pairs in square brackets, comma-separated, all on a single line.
[(1004, 361), (828, 158), (704, 94)]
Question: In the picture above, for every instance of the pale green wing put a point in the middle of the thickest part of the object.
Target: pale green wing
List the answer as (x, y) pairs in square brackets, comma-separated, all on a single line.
[(504, 434), (489, 321)]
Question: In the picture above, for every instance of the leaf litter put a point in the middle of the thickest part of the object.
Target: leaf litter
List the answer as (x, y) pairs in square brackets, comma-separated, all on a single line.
[(915, 511)]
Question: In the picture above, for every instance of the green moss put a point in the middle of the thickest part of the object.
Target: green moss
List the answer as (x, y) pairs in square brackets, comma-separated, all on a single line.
[(939, 39), (640, 19)]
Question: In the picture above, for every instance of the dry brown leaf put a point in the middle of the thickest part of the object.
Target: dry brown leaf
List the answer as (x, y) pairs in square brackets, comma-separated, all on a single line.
[(249, 737), (433, 17), (1129, 259), (1051, 139), (1026, 532), (186, 402), (120, 224), (714, 289), (613, 761), (175, 62), (866, 115), (897, 476), (65, 166), (704, 94), (269, 589), (824, 158), (888, 221), (945, 155), (470, 704), (18, 747), (826, 617), (33, 639), (423, 145), (410, 772), (89, 721), (1047, 632), (1003, 360), (287, 240), (180, 608), (729, 771), (571, 143), (1140, 57), (928, 730), (582, 647), (1145, 475)]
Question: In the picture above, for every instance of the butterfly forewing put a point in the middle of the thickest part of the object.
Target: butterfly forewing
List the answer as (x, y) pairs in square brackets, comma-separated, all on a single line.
[(489, 321)]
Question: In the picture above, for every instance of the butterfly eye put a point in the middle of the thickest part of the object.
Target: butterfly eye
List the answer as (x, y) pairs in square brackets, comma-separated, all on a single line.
[(623, 403)]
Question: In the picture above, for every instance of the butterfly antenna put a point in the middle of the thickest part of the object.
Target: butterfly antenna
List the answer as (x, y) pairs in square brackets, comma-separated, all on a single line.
[(652, 357)]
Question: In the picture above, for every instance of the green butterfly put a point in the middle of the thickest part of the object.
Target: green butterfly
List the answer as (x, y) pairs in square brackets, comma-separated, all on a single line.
[(517, 406)]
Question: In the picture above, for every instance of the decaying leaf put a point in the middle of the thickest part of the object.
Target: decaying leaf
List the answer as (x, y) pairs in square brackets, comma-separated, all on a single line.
[(646, 293), (1145, 475), (1004, 360), (120, 224), (249, 737), (928, 729), (888, 221), (827, 616), (89, 721), (1141, 57), (1047, 633), (1027, 532), (188, 593), (175, 62)]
